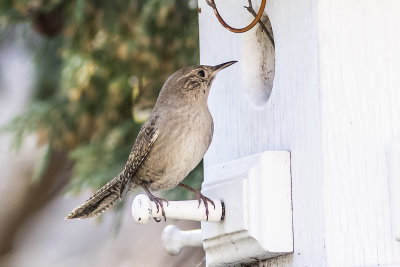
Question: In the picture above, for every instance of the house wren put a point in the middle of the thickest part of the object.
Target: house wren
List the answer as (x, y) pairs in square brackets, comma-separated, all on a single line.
[(170, 144)]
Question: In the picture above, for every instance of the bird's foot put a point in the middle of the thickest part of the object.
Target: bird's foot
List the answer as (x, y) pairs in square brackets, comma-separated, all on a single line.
[(159, 204), (157, 200), (200, 197)]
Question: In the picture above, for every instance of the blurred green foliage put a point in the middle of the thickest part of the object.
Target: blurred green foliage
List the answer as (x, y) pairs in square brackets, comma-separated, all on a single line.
[(99, 67)]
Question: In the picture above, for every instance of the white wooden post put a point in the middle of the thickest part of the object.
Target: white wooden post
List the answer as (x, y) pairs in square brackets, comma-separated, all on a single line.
[(335, 104)]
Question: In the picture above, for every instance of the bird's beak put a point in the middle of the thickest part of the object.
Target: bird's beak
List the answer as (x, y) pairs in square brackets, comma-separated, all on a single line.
[(222, 66)]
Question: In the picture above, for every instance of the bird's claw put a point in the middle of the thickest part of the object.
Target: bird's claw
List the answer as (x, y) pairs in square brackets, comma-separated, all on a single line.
[(201, 197), (159, 204)]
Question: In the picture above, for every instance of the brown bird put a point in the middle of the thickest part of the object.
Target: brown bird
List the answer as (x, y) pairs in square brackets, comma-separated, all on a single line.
[(170, 144)]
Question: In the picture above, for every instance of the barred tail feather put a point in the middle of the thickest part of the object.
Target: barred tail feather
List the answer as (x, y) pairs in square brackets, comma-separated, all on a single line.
[(103, 199)]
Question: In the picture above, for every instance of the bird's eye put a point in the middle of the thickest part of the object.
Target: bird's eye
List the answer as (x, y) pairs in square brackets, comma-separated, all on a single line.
[(201, 73)]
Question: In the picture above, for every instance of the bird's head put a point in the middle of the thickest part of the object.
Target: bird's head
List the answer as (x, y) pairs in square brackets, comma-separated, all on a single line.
[(191, 83)]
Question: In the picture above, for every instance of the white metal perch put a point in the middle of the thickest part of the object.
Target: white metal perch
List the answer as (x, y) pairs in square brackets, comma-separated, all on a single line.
[(144, 209), (175, 239)]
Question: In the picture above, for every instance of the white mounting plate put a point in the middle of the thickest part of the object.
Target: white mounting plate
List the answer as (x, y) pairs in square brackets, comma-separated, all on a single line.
[(256, 191)]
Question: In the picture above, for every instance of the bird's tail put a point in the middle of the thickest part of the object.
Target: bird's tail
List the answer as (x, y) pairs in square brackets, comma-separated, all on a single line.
[(104, 198)]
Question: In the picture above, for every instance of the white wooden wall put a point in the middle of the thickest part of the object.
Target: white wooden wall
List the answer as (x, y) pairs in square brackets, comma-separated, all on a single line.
[(335, 105), (360, 98)]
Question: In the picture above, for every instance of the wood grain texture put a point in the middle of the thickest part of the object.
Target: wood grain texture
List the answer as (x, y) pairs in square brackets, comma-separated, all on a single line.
[(360, 100), (335, 105), (291, 119)]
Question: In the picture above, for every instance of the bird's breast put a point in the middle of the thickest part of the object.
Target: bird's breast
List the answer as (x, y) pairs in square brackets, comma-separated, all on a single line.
[(182, 142)]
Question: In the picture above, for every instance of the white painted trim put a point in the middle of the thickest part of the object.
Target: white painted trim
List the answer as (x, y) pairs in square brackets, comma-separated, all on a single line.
[(256, 191)]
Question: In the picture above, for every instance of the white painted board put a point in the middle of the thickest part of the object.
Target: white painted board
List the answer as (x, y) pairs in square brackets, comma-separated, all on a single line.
[(335, 105)]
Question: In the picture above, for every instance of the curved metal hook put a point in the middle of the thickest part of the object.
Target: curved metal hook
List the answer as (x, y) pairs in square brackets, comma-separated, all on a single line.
[(211, 3)]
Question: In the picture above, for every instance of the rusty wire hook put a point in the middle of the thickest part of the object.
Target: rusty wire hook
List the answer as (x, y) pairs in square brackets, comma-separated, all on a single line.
[(211, 3)]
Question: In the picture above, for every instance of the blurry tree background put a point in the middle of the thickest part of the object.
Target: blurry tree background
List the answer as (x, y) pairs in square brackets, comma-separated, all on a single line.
[(99, 67)]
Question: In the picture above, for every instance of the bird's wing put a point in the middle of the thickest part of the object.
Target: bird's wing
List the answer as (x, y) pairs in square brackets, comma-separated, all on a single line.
[(108, 195), (144, 141)]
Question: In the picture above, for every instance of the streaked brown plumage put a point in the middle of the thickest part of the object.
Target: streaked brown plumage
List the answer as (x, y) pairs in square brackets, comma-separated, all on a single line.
[(170, 144)]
